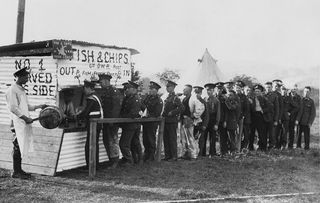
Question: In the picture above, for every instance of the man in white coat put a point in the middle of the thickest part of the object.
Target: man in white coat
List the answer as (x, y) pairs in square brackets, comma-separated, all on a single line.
[(21, 122)]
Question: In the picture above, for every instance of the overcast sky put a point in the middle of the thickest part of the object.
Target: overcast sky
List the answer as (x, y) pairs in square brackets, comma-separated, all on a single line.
[(248, 36)]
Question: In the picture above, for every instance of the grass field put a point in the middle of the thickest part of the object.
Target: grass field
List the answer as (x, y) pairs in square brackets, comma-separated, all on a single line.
[(276, 172)]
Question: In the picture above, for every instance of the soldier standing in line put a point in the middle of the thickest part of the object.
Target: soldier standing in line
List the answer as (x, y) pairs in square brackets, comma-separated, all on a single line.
[(111, 109), (213, 105), (261, 115), (271, 126), (131, 106), (295, 106), (305, 118), (199, 114), (285, 116), (172, 110), (186, 129), (222, 129), (243, 110), (153, 104), (231, 118), (276, 85), (247, 118), (93, 109)]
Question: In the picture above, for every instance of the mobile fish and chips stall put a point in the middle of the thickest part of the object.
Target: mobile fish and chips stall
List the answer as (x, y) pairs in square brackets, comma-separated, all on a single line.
[(57, 65)]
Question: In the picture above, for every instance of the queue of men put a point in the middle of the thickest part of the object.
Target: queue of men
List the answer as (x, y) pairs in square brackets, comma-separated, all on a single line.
[(232, 113)]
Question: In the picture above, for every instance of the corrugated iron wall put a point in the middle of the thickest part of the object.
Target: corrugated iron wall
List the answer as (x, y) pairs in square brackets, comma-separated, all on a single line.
[(72, 151)]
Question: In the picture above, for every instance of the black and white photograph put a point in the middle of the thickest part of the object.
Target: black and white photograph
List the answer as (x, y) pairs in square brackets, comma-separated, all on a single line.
[(165, 101)]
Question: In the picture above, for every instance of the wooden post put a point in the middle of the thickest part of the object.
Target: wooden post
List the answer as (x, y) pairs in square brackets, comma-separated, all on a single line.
[(20, 21), (160, 139), (92, 149)]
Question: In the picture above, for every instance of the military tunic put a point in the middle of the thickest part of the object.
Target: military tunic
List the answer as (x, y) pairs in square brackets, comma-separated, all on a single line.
[(231, 119), (305, 118), (130, 108), (111, 109), (153, 105), (295, 105), (172, 110), (273, 99), (92, 110), (222, 130), (286, 100), (213, 105)]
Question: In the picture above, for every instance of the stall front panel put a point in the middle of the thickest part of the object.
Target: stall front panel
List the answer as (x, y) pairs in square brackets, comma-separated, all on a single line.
[(89, 61), (41, 89)]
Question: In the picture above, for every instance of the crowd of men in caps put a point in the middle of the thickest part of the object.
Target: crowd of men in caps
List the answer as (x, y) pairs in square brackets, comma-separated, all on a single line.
[(233, 114)]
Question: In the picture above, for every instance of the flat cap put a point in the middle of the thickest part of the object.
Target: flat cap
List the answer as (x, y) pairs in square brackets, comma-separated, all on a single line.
[(197, 88), (21, 72), (229, 83), (219, 84), (188, 85), (258, 86), (154, 85), (240, 83), (171, 83), (268, 83), (90, 84), (277, 81), (210, 86), (104, 76), (132, 84)]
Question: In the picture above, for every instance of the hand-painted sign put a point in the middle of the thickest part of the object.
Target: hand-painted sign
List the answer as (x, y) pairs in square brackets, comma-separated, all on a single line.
[(42, 78), (88, 62)]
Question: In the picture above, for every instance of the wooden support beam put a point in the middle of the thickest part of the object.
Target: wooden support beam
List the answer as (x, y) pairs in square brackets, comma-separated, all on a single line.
[(92, 149)]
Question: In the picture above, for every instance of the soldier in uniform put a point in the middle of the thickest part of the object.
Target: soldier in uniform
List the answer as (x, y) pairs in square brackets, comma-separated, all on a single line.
[(93, 109), (285, 116), (271, 126), (231, 118), (153, 104), (261, 110), (305, 118), (172, 110), (276, 85), (243, 102), (294, 109), (111, 109), (222, 128), (213, 105), (247, 118), (131, 106)]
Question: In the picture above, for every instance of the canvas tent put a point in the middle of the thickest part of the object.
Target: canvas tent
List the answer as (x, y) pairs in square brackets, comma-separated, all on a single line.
[(208, 70)]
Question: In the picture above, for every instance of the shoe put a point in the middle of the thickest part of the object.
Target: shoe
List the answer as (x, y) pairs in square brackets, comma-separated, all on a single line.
[(20, 175)]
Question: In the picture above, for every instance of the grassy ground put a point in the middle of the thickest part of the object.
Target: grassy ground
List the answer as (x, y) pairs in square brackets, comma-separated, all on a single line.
[(276, 172)]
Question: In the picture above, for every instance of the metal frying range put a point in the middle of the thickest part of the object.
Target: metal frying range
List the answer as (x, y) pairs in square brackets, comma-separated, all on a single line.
[(50, 117)]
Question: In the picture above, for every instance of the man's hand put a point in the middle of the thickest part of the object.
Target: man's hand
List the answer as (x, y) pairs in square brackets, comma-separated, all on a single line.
[(26, 119), (215, 127), (297, 122), (275, 123), (170, 114), (224, 124), (203, 128)]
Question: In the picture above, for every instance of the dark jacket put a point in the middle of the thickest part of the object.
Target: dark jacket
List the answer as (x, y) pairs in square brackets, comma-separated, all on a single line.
[(92, 105), (213, 106), (307, 112), (247, 111), (295, 106), (110, 99), (223, 108), (286, 107), (280, 101), (232, 112), (172, 105), (130, 108), (153, 104), (266, 107), (273, 99), (186, 107)]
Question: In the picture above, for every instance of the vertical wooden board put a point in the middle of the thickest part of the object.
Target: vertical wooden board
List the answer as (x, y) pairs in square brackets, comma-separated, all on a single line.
[(46, 150)]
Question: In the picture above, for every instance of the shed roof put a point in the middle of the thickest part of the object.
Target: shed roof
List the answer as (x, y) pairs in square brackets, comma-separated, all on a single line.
[(44, 48)]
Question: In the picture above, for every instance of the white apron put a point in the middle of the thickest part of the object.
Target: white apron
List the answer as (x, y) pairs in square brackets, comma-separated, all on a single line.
[(23, 131)]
